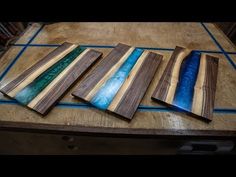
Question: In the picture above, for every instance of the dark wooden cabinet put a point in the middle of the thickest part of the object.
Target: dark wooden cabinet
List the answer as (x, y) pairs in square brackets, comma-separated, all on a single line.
[(13, 142), (229, 28), (10, 32)]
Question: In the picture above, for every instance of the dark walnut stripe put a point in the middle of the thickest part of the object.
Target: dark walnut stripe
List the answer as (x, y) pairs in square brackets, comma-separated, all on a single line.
[(132, 97), (163, 85), (209, 88), (80, 68), (13, 84), (103, 67)]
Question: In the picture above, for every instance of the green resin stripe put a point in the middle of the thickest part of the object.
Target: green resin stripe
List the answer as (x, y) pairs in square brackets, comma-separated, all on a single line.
[(28, 93)]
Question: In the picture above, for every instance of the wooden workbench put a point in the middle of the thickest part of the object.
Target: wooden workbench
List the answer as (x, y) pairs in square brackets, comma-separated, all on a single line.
[(152, 119)]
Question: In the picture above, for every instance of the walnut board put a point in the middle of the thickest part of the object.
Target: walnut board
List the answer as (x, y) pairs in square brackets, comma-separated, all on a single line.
[(43, 84), (120, 81), (189, 82)]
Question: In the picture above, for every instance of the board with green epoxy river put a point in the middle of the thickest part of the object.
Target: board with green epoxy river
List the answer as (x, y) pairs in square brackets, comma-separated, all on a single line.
[(120, 81), (43, 84)]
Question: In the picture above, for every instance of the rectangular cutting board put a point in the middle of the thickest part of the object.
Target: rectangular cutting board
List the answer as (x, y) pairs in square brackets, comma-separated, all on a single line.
[(120, 80), (43, 84), (189, 82)]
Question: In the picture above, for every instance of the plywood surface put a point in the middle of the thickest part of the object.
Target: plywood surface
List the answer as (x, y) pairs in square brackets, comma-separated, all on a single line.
[(233, 56), (188, 82), (135, 34), (27, 35), (160, 38)]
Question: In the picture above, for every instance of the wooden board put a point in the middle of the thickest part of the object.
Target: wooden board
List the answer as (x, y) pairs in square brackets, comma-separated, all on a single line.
[(189, 82), (43, 84), (120, 81)]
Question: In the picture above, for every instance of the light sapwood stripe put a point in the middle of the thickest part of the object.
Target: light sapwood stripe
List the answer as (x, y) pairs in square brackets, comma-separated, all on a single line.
[(198, 96), (174, 76), (108, 74), (127, 82), (163, 85), (56, 80), (40, 70)]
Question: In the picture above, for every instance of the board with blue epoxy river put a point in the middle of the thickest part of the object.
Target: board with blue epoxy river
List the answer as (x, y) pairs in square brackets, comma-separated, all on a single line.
[(43, 84), (189, 82), (120, 80)]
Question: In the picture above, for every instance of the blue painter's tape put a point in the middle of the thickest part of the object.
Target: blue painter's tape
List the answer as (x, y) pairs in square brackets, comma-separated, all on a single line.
[(155, 48), (19, 54), (98, 46), (38, 45), (225, 110), (110, 46), (234, 53), (208, 51), (8, 102), (219, 46), (187, 78), (142, 108), (12, 63), (34, 36), (74, 105), (105, 95)]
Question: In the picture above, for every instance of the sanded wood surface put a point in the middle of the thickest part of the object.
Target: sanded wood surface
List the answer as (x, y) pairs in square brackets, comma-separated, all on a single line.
[(41, 86), (120, 81), (189, 82), (151, 117)]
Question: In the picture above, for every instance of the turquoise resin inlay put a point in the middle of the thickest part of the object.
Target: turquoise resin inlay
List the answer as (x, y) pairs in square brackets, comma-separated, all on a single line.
[(34, 88), (107, 92)]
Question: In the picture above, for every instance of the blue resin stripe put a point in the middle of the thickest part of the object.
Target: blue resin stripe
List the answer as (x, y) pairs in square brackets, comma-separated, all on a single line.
[(187, 79), (105, 95)]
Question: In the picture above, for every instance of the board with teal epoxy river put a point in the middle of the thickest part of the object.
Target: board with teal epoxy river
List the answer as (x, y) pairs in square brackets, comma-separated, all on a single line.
[(120, 81)]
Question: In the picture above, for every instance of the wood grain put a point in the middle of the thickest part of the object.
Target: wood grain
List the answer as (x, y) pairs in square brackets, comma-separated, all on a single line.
[(125, 83), (98, 73), (113, 69), (189, 82), (134, 94), (43, 84)]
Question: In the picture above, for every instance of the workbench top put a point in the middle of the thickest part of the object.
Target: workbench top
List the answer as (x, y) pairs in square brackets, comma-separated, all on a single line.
[(151, 118)]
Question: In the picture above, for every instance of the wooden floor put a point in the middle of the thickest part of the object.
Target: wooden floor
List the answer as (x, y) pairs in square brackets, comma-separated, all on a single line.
[(151, 117)]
